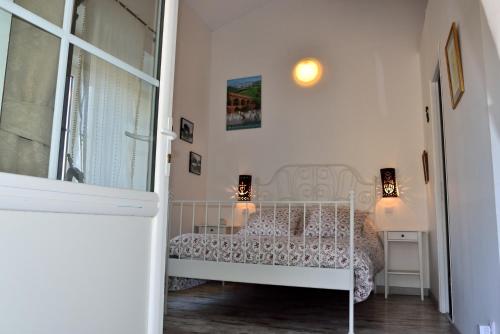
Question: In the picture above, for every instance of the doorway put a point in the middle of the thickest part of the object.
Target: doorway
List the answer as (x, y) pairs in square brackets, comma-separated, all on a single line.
[(441, 198)]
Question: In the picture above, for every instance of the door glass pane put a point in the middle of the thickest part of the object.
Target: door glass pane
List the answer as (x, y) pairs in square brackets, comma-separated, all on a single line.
[(109, 134), (124, 28), (28, 74), (51, 10)]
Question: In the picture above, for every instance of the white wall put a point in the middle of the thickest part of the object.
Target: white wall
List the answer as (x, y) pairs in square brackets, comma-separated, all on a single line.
[(491, 11), (475, 260), (491, 46), (366, 112), (64, 273), (191, 102)]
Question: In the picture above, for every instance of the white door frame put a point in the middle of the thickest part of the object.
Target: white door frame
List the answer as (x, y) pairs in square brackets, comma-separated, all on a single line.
[(437, 165), (5, 22), (165, 136)]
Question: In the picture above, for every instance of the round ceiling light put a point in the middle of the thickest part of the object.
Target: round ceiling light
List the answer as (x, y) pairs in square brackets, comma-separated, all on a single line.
[(307, 72)]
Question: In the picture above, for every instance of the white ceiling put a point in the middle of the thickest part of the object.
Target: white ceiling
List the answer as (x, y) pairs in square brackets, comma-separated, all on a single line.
[(217, 13)]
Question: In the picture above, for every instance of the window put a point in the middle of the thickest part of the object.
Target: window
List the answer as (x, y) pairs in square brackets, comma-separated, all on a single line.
[(29, 73), (79, 89), (50, 10)]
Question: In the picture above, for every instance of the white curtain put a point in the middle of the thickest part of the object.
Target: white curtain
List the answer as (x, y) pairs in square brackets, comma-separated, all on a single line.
[(108, 101)]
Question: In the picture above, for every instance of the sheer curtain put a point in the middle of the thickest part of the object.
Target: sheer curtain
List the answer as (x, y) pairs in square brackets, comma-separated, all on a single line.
[(108, 102)]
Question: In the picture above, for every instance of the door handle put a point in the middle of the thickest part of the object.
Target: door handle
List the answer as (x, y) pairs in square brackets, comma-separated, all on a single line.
[(138, 137), (169, 134)]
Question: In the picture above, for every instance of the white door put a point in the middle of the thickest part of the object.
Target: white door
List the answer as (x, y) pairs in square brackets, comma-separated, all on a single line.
[(99, 113)]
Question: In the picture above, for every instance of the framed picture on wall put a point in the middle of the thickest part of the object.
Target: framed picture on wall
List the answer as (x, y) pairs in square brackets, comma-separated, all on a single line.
[(454, 64), (243, 106), (187, 130), (425, 164), (194, 163)]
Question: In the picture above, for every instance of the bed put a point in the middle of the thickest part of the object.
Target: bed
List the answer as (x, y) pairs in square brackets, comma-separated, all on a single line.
[(299, 230)]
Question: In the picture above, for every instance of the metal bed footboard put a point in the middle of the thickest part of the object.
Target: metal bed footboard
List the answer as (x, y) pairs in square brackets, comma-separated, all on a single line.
[(187, 216)]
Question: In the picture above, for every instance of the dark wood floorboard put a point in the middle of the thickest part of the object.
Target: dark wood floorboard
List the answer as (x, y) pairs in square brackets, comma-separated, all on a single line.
[(246, 308)]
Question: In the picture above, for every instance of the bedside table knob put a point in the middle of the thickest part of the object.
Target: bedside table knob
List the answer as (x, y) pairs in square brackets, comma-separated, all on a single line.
[(402, 235)]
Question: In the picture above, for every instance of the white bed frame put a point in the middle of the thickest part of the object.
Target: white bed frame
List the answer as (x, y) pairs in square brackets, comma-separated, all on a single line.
[(291, 185)]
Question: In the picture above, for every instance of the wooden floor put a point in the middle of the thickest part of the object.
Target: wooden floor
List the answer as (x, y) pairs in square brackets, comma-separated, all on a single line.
[(243, 308)]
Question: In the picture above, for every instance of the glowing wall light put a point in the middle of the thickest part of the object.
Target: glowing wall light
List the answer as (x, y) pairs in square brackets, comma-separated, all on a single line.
[(307, 72), (245, 188), (389, 183)]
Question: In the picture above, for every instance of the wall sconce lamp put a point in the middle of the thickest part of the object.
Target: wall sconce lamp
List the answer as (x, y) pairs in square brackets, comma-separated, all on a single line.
[(307, 72), (245, 188), (389, 183)]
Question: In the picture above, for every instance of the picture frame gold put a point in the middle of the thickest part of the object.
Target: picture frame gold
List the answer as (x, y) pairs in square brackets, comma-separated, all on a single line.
[(454, 64)]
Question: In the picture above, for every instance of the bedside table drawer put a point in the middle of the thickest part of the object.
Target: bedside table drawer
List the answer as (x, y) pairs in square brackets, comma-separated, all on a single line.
[(210, 229), (411, 236)]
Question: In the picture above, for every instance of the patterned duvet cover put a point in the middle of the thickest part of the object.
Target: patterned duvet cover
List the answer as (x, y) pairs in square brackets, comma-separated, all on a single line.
[(329, 252)]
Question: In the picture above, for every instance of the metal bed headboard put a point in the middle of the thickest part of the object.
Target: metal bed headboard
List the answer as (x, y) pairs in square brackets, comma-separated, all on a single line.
[(317, 182)]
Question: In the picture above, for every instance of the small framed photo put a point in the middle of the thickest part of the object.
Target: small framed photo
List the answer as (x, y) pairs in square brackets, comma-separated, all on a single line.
[(454, 64), (187, 130), (194, 163)]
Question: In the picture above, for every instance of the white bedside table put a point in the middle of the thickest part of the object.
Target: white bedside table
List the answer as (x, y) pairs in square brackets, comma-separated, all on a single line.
[(405, 237)]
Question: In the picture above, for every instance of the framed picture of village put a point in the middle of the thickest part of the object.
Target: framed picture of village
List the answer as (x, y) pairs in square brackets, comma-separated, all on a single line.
[(243, 108)]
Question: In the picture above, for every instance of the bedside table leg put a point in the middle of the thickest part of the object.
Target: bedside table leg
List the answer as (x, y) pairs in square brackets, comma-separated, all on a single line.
[(386, 259), (421, 265)]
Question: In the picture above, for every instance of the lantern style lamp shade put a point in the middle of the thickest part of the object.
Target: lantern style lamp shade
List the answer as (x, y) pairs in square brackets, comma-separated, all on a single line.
[(389, 183), (245, 188)]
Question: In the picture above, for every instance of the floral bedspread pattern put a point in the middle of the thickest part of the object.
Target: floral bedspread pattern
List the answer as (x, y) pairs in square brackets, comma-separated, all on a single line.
[(333, 221), (328, 253), (268, 223)]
